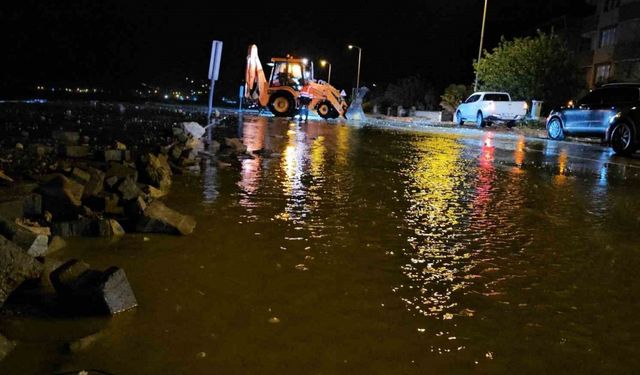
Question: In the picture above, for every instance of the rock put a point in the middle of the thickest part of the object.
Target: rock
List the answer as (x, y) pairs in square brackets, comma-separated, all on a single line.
[(121, 171), (19, 146), (80, 176), (33, 243), (89, 291), (29, 205), (110, 228), (158, 171), (214, 147), (86, 227), (67, 138), (111, 205), (236, 144), (77, 151), (39, 149), (129, 189), (111, 181), (82, 344), (176, 151), (4, 177), (193, 129), (158, 218), (6, 347), (15, 267), (135, 208), (61, 196), (64, 277), (75, 228), (95, 183), (32, 205), (154, 192), (116, 291), (117, 155)]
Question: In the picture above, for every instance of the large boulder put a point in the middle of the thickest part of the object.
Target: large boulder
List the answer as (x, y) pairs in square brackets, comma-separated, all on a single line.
[(158, 171), (158, 218), (61, 196), (236, 145), (33, 240), (88, 291), (86, 227), (16, 266), (67, 138)]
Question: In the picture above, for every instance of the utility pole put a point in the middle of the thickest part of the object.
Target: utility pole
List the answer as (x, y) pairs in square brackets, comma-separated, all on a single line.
[(484, 20)]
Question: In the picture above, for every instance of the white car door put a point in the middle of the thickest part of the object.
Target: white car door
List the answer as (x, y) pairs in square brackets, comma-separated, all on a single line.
[(468, 109)]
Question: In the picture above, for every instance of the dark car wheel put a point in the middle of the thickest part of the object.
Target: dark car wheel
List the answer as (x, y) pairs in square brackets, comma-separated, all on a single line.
[(459, 118), (622, 139), (554, 129), (480, 120)]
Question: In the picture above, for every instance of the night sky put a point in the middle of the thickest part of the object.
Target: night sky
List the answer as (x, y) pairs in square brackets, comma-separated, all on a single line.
[(123, 43)]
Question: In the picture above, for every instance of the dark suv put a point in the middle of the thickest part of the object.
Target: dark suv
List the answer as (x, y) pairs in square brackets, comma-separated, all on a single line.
[(611, 112)]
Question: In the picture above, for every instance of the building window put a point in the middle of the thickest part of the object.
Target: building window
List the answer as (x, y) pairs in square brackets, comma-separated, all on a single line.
[(611, 4), (602, 73), (608, 37)]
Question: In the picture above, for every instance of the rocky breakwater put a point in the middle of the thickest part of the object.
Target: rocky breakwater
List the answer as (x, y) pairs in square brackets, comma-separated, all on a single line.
[(71, 187)]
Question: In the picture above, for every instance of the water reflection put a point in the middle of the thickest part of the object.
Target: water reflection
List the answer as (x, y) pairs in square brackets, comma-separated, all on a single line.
[(435, 185)]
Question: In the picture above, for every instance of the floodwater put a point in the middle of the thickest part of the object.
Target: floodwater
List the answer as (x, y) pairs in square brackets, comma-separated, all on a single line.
[(371, 251)]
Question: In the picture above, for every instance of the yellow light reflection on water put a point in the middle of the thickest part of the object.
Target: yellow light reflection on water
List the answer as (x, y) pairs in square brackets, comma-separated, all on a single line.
[(436, 180)]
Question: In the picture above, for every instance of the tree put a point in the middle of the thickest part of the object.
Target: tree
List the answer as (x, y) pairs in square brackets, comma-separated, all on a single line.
[(539, 67), (409, 92), (453, 96)]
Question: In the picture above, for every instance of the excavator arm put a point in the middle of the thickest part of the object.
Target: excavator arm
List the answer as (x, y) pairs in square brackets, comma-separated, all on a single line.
[(256, 86)]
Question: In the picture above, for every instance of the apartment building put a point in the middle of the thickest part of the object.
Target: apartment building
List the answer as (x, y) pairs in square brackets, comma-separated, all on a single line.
[(610, 44)]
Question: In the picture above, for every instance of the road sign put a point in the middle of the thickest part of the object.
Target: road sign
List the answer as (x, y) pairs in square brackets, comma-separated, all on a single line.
[(214, 63)]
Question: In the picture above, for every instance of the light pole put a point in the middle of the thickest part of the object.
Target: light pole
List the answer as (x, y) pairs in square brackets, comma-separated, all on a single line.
[(484, 19), (351, 46), (323, 63)]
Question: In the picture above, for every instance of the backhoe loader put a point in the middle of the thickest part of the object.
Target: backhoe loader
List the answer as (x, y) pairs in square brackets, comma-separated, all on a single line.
[(281, 92)]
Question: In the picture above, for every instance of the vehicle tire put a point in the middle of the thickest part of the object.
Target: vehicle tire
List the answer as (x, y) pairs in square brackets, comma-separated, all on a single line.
[(326, 111), (459, 119), (554, 129), (282, 104), (622, 139), (480, 120), (511, 124)]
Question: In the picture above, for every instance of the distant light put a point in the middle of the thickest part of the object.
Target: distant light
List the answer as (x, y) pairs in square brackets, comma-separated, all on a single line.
[(166, 96), (305, 61), (323, 62), (350, 46)]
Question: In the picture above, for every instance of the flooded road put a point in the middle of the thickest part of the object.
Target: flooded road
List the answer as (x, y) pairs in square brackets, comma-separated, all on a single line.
[(372, 251)]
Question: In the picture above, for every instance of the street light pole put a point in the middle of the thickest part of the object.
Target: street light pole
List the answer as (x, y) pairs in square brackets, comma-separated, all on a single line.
[(484, 20), (351, 46), (323, 63)]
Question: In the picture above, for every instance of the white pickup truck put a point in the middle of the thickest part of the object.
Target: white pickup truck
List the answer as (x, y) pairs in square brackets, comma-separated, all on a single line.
[(487, 107)]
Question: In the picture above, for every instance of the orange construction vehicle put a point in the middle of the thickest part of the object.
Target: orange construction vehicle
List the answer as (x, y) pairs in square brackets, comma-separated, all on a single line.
[(287, 78)]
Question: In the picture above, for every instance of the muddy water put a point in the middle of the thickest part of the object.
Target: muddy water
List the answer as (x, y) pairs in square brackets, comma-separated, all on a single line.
[(367, 251)]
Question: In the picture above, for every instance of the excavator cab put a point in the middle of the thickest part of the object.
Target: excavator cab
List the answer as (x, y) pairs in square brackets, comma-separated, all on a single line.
[(291, 73)]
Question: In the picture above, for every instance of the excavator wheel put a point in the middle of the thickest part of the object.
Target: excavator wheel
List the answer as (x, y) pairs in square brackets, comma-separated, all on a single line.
[(326, 110), (282, 104)]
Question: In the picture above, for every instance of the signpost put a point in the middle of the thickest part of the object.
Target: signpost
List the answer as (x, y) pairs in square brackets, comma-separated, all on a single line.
[(214, 70)]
